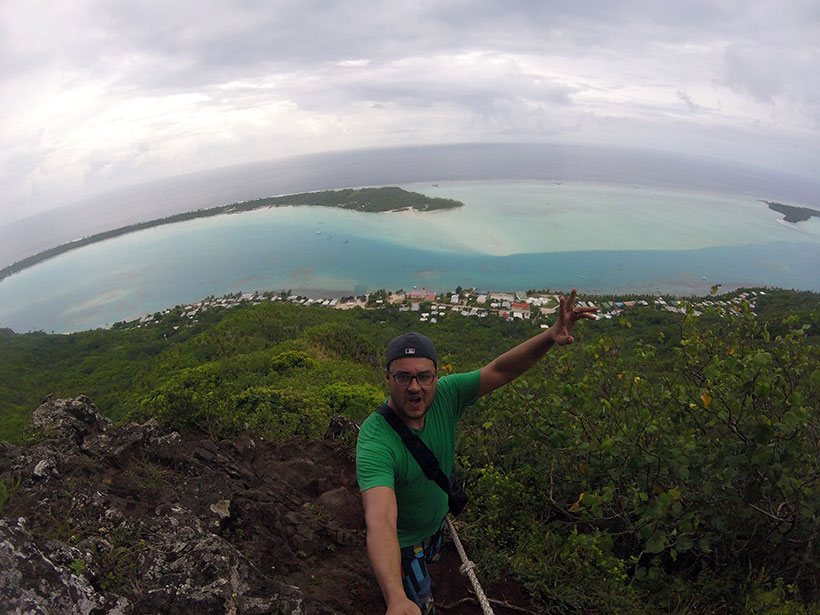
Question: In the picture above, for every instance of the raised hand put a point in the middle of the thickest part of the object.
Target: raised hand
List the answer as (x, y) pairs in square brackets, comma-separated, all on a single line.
[(568, 315)]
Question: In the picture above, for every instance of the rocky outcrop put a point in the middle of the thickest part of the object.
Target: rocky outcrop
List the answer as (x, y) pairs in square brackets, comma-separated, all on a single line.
[(106, 519), (44, 576)]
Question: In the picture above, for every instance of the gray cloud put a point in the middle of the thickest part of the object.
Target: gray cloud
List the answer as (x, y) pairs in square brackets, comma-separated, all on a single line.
[(99, 93), (755, 71)]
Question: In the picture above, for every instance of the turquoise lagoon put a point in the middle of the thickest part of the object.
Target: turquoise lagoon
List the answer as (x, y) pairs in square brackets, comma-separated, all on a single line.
[(510, 235)]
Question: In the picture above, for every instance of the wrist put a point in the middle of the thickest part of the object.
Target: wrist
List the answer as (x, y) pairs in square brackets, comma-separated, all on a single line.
[(394, 595)]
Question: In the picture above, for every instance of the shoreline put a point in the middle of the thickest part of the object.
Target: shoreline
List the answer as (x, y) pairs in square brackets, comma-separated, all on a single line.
[(533, 306), (792, 213), (510, 305), (57, 306), (365, 200)]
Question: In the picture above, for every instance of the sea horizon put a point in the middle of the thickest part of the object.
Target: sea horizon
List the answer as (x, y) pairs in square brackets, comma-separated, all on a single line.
[(398, 166)]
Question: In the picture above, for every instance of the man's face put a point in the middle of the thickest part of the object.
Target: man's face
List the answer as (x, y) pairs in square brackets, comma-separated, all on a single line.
[(411, 400)]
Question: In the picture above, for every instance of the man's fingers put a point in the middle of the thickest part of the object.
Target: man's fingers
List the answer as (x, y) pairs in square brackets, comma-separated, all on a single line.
[(586, 310)]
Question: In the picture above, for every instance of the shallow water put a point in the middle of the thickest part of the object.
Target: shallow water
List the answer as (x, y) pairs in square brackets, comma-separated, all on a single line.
[(509, 235)]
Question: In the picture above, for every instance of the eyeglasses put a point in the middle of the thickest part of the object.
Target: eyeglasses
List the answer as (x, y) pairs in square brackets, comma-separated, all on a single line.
[(404, 379)]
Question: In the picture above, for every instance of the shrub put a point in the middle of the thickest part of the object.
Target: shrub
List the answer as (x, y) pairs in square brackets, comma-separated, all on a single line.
[(192, 398), (280, 413), (291, 359), (355, 401), (689, 477)]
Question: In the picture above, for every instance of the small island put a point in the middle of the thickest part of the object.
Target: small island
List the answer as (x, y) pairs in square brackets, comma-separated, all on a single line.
[(792, 213), (371, 200)]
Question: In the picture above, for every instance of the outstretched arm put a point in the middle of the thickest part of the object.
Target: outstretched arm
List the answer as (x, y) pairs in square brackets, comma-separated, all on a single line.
[(514, 362), (380, 513)]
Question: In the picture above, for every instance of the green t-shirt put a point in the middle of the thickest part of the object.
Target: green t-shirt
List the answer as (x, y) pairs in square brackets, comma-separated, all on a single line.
[(382, 459)]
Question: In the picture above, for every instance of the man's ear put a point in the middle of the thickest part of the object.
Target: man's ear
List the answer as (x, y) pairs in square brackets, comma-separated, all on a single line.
[(387, 374)]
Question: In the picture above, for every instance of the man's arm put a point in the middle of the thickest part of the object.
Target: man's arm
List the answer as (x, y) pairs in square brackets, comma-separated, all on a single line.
[(514, 362), (380, 514)]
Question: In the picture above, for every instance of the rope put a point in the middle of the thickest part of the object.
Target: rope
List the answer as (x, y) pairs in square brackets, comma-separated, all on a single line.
[(467, 568)]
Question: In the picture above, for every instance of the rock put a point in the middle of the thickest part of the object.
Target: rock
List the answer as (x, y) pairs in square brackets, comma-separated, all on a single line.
[(42, 576), (222, 509), (68, 418), (343, 506), (116, 446), (45, 467), (113, 515), (141, 519)]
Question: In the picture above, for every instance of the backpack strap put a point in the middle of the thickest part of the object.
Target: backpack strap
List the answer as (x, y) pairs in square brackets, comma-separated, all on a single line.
[(422, 454)]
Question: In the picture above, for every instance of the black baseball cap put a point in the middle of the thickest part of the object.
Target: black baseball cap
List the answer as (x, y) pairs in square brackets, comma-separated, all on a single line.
[(411, 345)]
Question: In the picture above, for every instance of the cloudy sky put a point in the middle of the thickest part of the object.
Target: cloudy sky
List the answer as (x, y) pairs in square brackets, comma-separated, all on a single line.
[(98, 94)]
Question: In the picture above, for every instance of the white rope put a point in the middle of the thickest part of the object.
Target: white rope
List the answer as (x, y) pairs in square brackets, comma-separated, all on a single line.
[(467, 568)]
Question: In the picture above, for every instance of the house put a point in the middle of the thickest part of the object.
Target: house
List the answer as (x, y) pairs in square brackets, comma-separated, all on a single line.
[(501, 297), (421, 295), (520, 310)]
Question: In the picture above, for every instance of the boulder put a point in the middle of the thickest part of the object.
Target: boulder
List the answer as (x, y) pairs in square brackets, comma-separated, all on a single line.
[(43, 576)]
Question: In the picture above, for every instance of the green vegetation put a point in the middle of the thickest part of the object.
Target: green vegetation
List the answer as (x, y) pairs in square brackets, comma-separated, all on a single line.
[(665, 463), (7, 491), (363, 199), (791, 213)]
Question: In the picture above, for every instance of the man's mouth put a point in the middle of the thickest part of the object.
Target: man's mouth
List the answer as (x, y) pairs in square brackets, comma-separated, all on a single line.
[(414, 400)]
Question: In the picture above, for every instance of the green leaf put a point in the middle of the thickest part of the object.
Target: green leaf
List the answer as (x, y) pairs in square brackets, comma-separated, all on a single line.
[(684, 543), (656, 543)]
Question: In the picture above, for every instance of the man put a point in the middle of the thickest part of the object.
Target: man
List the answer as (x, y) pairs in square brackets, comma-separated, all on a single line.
[(404, 510)]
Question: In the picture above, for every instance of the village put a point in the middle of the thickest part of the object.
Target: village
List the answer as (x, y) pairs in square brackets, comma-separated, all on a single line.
[(534, 306)]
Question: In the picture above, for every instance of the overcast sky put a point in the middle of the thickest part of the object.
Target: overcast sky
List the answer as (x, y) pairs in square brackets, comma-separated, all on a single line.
[(98, 94)]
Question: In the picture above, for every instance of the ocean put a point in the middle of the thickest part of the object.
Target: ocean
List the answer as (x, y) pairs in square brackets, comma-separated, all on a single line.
[(602, 237)]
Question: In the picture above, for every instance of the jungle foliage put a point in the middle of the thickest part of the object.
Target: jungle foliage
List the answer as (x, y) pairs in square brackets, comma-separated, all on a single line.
[(664, 463)]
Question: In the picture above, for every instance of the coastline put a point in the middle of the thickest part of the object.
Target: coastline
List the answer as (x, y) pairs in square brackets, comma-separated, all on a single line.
[(365, 200), (534, 306), (45, 301), (792, 213), (545, 235)]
